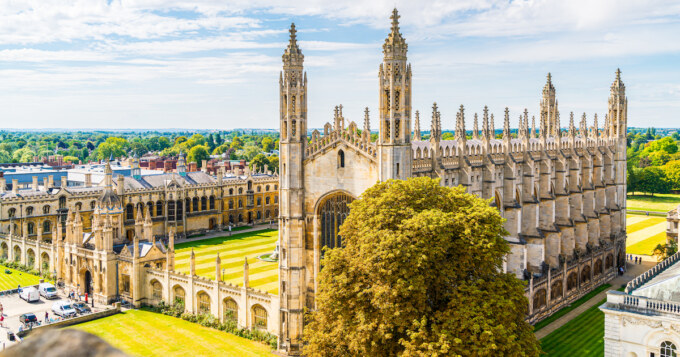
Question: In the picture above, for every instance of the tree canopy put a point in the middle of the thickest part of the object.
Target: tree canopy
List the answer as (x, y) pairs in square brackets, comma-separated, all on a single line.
[(420, 275)]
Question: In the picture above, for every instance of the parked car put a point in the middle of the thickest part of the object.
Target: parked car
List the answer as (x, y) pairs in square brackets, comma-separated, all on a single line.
[(82, 308), (63, 309), (29, 294), (47, 290), (28, 319)]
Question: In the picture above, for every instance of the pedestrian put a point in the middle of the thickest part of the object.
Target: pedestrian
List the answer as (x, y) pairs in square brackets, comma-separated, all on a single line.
[(2, 309), (47, 316), (2, 321)]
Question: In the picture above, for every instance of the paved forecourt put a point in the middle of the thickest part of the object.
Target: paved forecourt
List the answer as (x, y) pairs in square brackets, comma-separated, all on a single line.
[(233, 251)]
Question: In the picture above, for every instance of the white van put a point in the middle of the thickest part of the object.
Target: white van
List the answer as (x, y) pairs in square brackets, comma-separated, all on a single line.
[(47, 290), (29, 294), (63, 309)]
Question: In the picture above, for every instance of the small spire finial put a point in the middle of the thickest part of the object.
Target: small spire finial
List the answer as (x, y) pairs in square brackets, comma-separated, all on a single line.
[(395, 20), (549, 77)]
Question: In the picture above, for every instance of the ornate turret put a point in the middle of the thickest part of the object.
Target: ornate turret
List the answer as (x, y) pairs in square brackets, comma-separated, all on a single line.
[(136, 171), (548, 114), (618, 108), (366, 133), (293, 93), (416, 128), (475, 128), (395, 46), (181, 165), (394, 141)]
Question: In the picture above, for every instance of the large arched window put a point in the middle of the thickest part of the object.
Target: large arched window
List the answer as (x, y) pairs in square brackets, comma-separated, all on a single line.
[(159, 208), (46, 209), (12, 212), (203, 303), (539, 299), (259, 317), (31, 228), (211, 202), (668, 349), (333, 211), (47, 227), (204, 204), (29, 211), (230, 310), (194, 203), (231, 204)]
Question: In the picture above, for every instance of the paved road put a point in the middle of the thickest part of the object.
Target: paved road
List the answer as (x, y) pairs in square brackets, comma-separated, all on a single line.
[(634, 270), (13, 307)]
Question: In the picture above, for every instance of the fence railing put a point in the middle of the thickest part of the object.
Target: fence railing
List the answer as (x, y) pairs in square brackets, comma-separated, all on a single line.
[(651, 273)]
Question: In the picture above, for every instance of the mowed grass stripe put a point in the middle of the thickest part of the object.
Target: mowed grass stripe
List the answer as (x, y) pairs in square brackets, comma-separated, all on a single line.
[(233, 251), (226, 239), (647, 246), (12, 281), (582, 336), (634, 218), (160, 335), (650, 221), (645, 233), (206, 250), (226, 263)]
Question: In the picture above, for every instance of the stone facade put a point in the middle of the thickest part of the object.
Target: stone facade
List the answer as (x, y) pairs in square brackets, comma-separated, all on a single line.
[(116, 241), (562, 192), (645, 319)]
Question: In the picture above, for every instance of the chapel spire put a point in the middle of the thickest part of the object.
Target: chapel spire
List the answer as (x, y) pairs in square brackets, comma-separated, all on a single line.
[(416, 127), (395, 45), (292, 55)]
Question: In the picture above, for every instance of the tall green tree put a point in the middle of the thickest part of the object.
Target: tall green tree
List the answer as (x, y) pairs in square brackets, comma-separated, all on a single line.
[(197, 154), (420, 275)]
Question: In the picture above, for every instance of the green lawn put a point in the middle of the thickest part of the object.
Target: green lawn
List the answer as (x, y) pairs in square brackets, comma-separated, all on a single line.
[(658, 202), (573, 305), (233, 251), (144, 333), (644, 233), (11, 281), (582, 336)]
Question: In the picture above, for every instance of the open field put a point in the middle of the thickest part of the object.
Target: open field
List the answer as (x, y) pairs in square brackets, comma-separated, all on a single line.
[(11, 281), (644, 233), (582, 336), (144, 333), (658, 202), (233, 251)]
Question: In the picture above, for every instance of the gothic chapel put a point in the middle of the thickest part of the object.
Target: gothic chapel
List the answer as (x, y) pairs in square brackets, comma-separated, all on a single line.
[(562, 192)]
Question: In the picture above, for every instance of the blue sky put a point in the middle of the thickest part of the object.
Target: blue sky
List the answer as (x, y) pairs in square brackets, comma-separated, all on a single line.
[(215, 64)]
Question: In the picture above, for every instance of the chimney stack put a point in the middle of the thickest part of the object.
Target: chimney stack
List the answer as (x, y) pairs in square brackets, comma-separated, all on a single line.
[(64, 181), (15, 185), (88, 180), (35, 183)]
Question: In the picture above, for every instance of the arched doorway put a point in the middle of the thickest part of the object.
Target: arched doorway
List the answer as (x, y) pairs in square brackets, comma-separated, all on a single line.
[(250, 217), (211, 223), (88, 283), (332, 211)]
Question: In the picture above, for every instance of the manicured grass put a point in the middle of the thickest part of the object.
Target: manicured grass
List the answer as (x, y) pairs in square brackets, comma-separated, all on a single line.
[(658, 202), (644, 233), (582, 336), (144, 333), (233, 251), (574, 305), (11, 281), (646, 247)]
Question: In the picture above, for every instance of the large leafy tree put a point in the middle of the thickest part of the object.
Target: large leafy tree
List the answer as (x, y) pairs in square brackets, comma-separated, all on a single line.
[(420, 275)]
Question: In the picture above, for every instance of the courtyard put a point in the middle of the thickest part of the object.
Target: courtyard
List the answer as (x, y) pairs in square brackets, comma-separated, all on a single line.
[(233, 251), (145, 333), (644, 233)]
